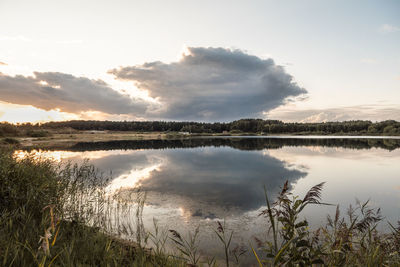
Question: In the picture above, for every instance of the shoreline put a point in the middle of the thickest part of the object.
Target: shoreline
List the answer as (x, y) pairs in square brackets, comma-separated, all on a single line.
[(64, 140)]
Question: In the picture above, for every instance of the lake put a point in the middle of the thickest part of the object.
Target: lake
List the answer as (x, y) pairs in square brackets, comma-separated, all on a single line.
[(196, 181)]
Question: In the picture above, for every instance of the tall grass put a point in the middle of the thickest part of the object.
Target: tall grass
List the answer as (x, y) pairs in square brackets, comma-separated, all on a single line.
[(352, 240), (61, 215)]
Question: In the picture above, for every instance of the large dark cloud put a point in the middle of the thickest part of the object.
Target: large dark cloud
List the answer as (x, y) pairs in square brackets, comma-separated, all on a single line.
[(51, 90), (213, 84)]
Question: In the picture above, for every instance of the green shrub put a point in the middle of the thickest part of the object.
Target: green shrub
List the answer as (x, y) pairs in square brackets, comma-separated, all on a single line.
[(11, 141), (39, 133)]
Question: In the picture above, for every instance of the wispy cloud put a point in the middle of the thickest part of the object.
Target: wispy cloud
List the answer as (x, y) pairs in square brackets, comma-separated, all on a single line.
[(369, 61), (14, 38), (22, 38), (388, 28), (70, 42), (3, 64), (377, 112)]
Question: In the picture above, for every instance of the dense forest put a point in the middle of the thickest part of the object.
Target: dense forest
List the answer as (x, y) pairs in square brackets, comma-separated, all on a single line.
[(389, 127)]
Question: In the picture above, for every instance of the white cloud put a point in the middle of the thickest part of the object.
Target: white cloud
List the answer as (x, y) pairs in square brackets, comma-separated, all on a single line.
[(369, 61), (70, 42), (14, 38), (360, 112), (54, 90), (388, 28)]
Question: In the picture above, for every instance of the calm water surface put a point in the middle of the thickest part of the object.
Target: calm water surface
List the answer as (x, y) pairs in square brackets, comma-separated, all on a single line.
[(194, 182)]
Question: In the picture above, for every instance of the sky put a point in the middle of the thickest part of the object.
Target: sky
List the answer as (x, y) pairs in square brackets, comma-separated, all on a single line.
[(305, 60)]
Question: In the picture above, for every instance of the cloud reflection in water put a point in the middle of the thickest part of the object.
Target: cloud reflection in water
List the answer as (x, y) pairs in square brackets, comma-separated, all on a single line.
[(206, 182)]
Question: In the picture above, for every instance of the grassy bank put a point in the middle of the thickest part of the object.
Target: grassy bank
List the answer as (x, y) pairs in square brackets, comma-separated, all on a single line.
[(53, 215), (44, 220), (63, 140)]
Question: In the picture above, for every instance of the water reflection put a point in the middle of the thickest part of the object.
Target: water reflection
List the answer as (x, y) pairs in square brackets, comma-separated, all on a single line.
[(219, 177), (209, 181), (243, 143), (205, 182)]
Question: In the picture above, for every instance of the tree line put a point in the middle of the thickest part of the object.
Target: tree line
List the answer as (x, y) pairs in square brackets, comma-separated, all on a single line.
[(358, 127)]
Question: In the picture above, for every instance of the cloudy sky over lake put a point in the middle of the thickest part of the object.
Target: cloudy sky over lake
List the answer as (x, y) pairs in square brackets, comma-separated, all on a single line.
[(199, 60)]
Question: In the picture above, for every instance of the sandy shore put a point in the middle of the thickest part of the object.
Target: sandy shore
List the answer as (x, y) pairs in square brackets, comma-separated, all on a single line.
[(66, 140)]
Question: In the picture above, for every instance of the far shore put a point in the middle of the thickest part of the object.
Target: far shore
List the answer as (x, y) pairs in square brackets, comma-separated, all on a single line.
[(65, 140)]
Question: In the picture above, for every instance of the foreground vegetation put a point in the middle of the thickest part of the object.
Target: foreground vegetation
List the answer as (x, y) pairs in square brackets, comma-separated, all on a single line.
[(45, 219), (252, 126), (52, 215)]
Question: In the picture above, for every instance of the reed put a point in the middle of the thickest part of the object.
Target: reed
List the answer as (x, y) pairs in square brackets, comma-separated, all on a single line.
[(352, 240), (53, 215)]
